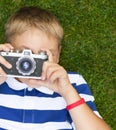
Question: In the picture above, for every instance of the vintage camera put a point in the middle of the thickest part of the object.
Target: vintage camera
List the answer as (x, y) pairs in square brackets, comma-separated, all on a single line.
[(24, 64)]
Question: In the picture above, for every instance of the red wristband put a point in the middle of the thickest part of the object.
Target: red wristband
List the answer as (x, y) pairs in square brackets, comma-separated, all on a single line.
[(75, 104)]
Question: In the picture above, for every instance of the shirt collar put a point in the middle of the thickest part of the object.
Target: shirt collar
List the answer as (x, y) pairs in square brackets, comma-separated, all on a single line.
[(16, 85)]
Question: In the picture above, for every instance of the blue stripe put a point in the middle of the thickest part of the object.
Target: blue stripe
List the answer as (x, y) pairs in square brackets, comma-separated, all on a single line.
[(39, 116), (83, 88), (5, 89), (73, 73), (33, 116), (92, 105), (2, 129)]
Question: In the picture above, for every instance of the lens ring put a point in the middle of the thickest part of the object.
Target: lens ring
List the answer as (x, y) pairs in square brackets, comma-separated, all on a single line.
[(26, 65)]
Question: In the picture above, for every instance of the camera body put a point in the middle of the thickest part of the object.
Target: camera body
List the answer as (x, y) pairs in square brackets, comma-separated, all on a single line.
[(24, 64)]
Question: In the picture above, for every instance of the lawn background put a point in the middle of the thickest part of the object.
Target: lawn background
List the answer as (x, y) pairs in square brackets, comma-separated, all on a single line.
[(89, 43)]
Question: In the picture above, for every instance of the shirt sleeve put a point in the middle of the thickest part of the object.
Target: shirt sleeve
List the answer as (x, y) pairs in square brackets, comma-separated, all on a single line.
[(84, 91)]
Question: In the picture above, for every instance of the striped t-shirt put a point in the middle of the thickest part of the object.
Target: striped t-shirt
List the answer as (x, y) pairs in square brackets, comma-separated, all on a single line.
[(26, 108)]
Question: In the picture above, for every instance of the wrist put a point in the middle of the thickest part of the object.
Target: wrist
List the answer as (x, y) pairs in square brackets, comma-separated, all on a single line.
[(71, 95), (75, 104)]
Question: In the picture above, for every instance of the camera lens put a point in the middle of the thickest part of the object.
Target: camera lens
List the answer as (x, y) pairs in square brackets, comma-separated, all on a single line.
[(25, 65)]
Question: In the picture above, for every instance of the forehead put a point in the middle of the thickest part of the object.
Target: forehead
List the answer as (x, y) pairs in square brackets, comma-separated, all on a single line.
[(35, 40)]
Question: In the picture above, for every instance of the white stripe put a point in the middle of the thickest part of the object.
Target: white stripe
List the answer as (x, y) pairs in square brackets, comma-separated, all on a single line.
[(16, 85), (76, 78), (97, 113), (11, 125), (73, 125), (29, 102), (87, 97)]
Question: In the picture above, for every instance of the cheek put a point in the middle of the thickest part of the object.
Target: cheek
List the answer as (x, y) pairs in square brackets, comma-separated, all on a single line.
[(56, 59)]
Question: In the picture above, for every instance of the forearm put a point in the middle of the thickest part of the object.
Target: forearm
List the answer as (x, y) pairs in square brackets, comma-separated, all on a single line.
[(82, 116)]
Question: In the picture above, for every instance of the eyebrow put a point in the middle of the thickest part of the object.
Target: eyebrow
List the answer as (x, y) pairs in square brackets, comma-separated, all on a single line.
[(21, 48), (24, 47)]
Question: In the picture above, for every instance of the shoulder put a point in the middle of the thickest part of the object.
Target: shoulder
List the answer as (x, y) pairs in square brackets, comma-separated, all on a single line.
[(80, 84), (76, 78)]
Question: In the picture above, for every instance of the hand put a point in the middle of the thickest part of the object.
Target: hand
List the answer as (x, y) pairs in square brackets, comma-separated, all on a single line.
[(54, 77), (4, 47)]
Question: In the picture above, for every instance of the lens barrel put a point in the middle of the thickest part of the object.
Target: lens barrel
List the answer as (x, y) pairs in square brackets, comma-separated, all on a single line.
[(26, 65)]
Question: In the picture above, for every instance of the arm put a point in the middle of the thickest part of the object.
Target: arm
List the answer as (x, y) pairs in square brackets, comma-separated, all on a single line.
[(82, 116), (55, 78)]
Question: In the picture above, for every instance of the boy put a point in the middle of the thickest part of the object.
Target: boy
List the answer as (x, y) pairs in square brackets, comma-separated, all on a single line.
[(56, 101)]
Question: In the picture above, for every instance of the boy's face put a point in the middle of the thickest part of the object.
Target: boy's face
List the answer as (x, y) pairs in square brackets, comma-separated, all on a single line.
[(36, 40)]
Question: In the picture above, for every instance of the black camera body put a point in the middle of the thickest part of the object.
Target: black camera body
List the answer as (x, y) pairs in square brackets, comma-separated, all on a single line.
[(24, 64)]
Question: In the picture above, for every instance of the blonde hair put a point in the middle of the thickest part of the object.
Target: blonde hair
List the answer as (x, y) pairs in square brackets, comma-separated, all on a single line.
[(33, 17)]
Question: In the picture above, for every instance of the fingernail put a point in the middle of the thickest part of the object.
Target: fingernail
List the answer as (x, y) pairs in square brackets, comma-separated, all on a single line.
[(9, 66), (43, 78), (7, 49)]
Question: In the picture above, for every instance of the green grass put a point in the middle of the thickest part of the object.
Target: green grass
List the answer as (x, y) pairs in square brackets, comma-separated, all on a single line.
[(89, 43)]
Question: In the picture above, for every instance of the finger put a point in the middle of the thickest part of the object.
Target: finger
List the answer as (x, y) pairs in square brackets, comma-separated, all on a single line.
[(46, 65), (2, 73), (44, 68), (52, 69), (3, 76), (48, 69), (57, 74), (5, 63), (9, 45), (6, 47), (35, 82), (48, 52)]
